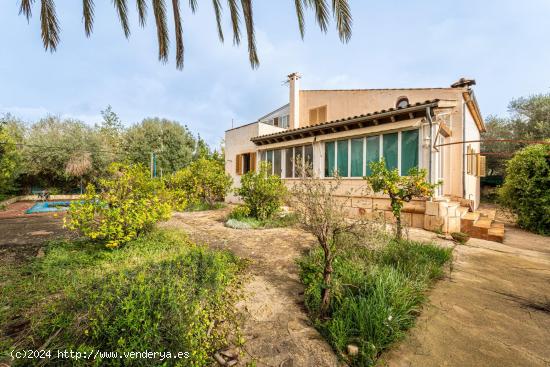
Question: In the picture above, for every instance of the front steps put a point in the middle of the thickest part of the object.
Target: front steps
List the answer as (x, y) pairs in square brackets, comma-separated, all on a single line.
[(452, 216)]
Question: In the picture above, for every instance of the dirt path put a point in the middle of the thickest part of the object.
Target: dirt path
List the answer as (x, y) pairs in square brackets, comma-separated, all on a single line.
[(488, 312), (277, 329)]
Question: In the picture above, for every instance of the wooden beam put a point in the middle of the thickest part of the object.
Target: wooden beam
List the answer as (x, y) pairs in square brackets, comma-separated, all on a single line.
[(411, 115), (392, 118)]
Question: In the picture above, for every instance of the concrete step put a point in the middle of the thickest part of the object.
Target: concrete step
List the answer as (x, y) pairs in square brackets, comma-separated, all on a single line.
[(496, 232), (461, 211), (483, 222), (471, 216)]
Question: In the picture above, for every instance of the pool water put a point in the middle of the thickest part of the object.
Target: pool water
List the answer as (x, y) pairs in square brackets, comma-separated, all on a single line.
[(51, 206)]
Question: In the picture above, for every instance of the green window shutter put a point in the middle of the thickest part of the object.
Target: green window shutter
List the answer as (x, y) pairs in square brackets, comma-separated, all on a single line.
[(409, 151), (373, 151), (342, 146), (357, 157), (329, 159), (390, 150)]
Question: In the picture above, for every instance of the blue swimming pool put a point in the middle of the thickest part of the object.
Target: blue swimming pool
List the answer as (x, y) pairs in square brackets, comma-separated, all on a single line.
[(51, 206)]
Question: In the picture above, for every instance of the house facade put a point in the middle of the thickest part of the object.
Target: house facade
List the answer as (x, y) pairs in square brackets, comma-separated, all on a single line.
[(344, 130)]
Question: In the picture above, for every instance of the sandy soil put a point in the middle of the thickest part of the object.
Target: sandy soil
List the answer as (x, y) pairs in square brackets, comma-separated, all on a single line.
[(276, 327), (488, 312), (485, 313)]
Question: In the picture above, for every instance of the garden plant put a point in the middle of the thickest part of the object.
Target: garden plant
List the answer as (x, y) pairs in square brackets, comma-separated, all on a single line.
[(400, 189)]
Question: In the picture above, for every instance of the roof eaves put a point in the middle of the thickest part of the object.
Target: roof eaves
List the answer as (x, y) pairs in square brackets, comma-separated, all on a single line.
[(350, 119)]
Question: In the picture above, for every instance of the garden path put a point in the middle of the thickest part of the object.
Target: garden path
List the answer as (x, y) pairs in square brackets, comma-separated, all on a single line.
[(494, 309), (276, 327)]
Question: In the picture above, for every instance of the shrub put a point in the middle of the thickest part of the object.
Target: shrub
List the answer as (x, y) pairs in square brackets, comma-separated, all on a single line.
[(262, 192), (377, 291), (125, 205), (240, 212), (202, 182), (162, 293), (323, 215), (401, 189), (460, 237), (526, 188)]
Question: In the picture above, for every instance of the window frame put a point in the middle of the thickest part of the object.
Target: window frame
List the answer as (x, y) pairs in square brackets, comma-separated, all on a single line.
[(365, 147)]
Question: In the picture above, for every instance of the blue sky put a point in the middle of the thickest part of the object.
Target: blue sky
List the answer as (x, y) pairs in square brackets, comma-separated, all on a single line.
[(503, 44)]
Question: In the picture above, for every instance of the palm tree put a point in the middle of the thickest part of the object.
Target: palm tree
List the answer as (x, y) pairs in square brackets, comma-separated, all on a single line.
[(50, 25)]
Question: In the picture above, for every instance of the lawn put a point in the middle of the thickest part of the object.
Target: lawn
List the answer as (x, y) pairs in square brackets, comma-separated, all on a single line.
[(377, 294), (158, 293)]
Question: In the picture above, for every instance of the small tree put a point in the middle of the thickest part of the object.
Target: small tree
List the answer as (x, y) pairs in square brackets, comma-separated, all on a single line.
[(526, 188), (262, 192), (401, 189), (203, 181), (123, 206), (322, 214)]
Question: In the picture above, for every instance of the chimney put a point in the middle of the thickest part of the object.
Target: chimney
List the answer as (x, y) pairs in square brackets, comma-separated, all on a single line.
[(294, 100), (463, 83)]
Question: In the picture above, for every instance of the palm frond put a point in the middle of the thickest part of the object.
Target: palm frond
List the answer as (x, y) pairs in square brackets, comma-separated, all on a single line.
[(179, 34), (159, 9), (122, 10), (193, 5), (300, 16), (142, 12), (321, 12), (88, 16), (218, 11), (26, 8), (342, 13), (235, 21), (49, 25), (249, 22)]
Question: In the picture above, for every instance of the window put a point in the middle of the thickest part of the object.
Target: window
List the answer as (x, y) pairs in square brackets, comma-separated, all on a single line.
[(245, 162), (342, 158), (308, 156), (402, 102), (275, 121), (284, 121), (318, 115), (285, 165), (390, 150), (329, 159), (409, 150), (352, 157), (373, 152), (277, 162), (289, 163), (357, 157)]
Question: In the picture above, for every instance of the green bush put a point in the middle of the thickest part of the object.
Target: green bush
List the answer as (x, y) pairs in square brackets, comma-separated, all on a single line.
[(526, 188), (240, 212), (376, 294), (262, 192), (162, 293), (201, 184), (123, 206)]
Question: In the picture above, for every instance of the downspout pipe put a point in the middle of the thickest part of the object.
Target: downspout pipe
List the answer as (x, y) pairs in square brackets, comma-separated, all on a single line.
[(464, 150), (429, 117)]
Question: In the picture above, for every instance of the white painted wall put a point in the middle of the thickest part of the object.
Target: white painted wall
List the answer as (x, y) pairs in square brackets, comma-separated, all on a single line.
[(471, 182), (237, 141)]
